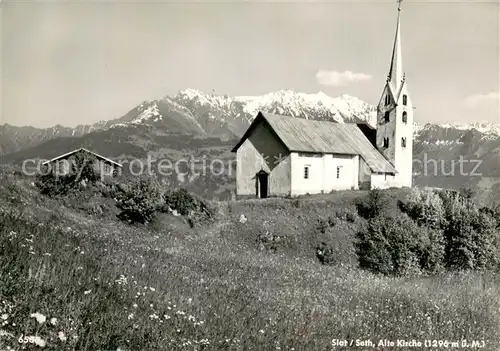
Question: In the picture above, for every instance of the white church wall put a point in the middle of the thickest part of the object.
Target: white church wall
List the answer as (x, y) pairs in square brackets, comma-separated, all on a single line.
[(348, 172), (404, 153), (313, 184), (382, 181), (322, 173)]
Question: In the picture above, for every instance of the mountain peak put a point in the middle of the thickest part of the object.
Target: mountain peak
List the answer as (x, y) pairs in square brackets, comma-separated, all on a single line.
[(190, 93)]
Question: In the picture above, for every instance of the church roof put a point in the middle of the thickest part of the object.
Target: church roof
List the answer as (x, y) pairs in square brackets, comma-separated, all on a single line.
[(305, 135), (68, 154)]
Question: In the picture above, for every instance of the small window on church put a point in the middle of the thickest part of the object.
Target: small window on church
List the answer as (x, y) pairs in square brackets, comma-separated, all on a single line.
[(405, 117), (386, 117), (306, 172), (403, 142), (338, 172), (386, 142), (387, 100), (405, 100)]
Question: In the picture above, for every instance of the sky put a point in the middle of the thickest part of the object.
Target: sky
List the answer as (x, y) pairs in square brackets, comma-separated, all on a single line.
[(73, 63)]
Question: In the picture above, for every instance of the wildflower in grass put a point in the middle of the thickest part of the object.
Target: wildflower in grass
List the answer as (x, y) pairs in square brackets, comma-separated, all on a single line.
[(134, 305), (6, 334), (167, 317), (152, 289), (243, 219), (4, 316), (40, 318), (130, 316), (38, 341), (122, 280), (86, 292), (53, 321), (62, 336)]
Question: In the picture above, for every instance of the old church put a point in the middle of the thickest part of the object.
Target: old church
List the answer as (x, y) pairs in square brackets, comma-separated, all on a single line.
[(288, 156)]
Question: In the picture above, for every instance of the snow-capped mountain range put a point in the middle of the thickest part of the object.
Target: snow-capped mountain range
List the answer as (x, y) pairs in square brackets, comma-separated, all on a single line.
[(194, 112), (319, 106)]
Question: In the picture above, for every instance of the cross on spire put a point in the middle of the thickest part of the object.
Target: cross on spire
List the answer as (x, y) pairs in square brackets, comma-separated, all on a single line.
[(399, 4)]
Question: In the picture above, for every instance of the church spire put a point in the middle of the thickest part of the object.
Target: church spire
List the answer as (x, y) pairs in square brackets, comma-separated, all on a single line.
[(396, 70)]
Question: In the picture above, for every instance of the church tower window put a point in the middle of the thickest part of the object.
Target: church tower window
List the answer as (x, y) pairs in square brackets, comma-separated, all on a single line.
[(395, 115)]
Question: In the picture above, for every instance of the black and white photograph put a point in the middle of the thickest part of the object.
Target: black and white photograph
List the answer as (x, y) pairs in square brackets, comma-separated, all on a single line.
[(250, 175)]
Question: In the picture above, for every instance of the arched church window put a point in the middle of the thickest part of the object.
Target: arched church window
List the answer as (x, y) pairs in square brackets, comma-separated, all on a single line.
[(403, 142), (387, 100), (386, 142), (405, 100), (405, 117)]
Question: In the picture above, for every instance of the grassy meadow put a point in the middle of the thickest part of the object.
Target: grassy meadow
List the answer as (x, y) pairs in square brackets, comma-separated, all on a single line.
[(70, 280)]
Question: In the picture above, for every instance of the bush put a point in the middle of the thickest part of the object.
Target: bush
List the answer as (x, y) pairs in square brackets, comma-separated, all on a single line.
[(425, 207), (181, 201), (326, 254), (52, 185), (346, 215), (81, 173), (398, 246), (188, 205), (268, 241), (324, 224), (375, 204), (138, 200), (470, 235)]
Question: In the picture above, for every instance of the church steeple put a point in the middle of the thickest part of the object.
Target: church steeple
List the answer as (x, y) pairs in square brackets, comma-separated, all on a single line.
[(395, 118), (396, 75)]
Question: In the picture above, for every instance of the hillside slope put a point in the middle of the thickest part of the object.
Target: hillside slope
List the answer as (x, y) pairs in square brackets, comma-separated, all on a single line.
[(70, 280)]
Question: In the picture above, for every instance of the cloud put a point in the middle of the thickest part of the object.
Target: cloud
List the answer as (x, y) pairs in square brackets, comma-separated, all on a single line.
[(479, 99), (335, 78)]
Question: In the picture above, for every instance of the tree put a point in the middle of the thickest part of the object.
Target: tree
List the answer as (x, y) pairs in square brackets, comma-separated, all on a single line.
[(138, 200)]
